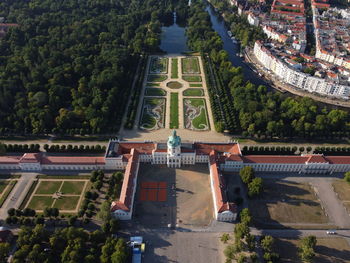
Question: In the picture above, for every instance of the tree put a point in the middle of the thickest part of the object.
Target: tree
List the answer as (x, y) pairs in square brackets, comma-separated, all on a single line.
[(4, 251), (267, 243), (245, 216), (120, 255), (11, 212), (347, 177), (105, 211), (225, 237), (306, 248), (255, 187), (246, 174)]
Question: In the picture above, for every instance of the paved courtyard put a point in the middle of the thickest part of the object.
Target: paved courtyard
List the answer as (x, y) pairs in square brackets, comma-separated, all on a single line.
[(188, 200)]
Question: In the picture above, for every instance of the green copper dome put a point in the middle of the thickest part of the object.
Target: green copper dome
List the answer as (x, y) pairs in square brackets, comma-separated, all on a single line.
[(174, 140)]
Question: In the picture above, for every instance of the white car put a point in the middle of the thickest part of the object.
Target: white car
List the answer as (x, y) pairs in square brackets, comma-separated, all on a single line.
[(331, 232)]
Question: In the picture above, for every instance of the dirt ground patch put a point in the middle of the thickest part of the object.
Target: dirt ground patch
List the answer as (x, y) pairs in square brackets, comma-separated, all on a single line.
[(328, 250), (40, 202), (72, 187), (67, 203), (48, 187), (188, 201), (342, 188), (285, 202)]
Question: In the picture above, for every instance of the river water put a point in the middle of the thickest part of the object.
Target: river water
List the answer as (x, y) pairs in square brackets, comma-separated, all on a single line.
[(174, 42)]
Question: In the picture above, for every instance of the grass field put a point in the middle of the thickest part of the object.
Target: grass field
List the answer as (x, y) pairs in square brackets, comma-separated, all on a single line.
[(156, 78), (196, 116), (174, 111), (174, 85), (286, 202), (151, 84), (72, 187), (327, 250), (174, 68), (46, 176), (158, 65), (67, 203), (192, 78), (155, 92), (48, 187), (40, 202), (3, 185), (190, 65), (193, 92), (153, 113), (196, 85)]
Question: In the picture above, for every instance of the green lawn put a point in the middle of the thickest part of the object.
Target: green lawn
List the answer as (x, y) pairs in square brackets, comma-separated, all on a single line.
[(40, 202), (192, 78), (156, 78), (48, 187), (159, 65), (190, 65), (152, 84), (72, 187), (193, 92), (155, 92), (67, 202), (3, 185), (147, 120), (196, 85), (174, 68), (174, 85), (197, 102), (201, 121), (174, 111)]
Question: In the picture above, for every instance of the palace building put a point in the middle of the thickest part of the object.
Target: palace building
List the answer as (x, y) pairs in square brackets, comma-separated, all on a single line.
[(220, 157)]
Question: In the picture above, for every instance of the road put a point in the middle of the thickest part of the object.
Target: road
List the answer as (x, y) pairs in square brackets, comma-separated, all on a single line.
[(17, 194)]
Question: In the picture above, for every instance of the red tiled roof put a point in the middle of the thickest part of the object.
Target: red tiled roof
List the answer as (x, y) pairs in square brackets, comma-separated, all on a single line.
[(125, 200), (221, 201), (338, 159), (73, 160), (31, 158), (316, 159), (10, 159), (206, 148), (274, 159), (125, 147)]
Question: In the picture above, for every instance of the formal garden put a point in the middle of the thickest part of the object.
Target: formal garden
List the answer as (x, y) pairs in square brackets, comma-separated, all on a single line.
[(156, 78), (155, 92), (193, 92), (174, 111), (190, 65), (192, 78), (158, 65), (63, 194), (153, 114), (195, 114)]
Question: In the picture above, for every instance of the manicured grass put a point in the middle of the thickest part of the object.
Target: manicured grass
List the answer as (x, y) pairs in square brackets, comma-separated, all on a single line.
[(190, 65), (151, 84), (342, 188), (174, 111), (148, 121), (174, 85), (67, 202), (201, 121), (40, 202), (196, 85), (174, 68), (158, 65), (48, 187), (72, 187), (4, 196), (192, 78), (156, 78), (193, 92), (155, 92), (3, 185)]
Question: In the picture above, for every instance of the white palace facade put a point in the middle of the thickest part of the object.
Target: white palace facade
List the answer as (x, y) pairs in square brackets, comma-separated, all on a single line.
[(220, 157)]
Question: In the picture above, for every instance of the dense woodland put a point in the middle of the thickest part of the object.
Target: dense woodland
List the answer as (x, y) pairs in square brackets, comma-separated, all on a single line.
[(253, 110), (68, 66)]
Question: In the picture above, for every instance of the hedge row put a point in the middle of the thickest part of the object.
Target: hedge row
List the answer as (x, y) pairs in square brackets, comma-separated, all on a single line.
[(74, 148), (269, 150), (333, 150), (135, 96), (22, 148)]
